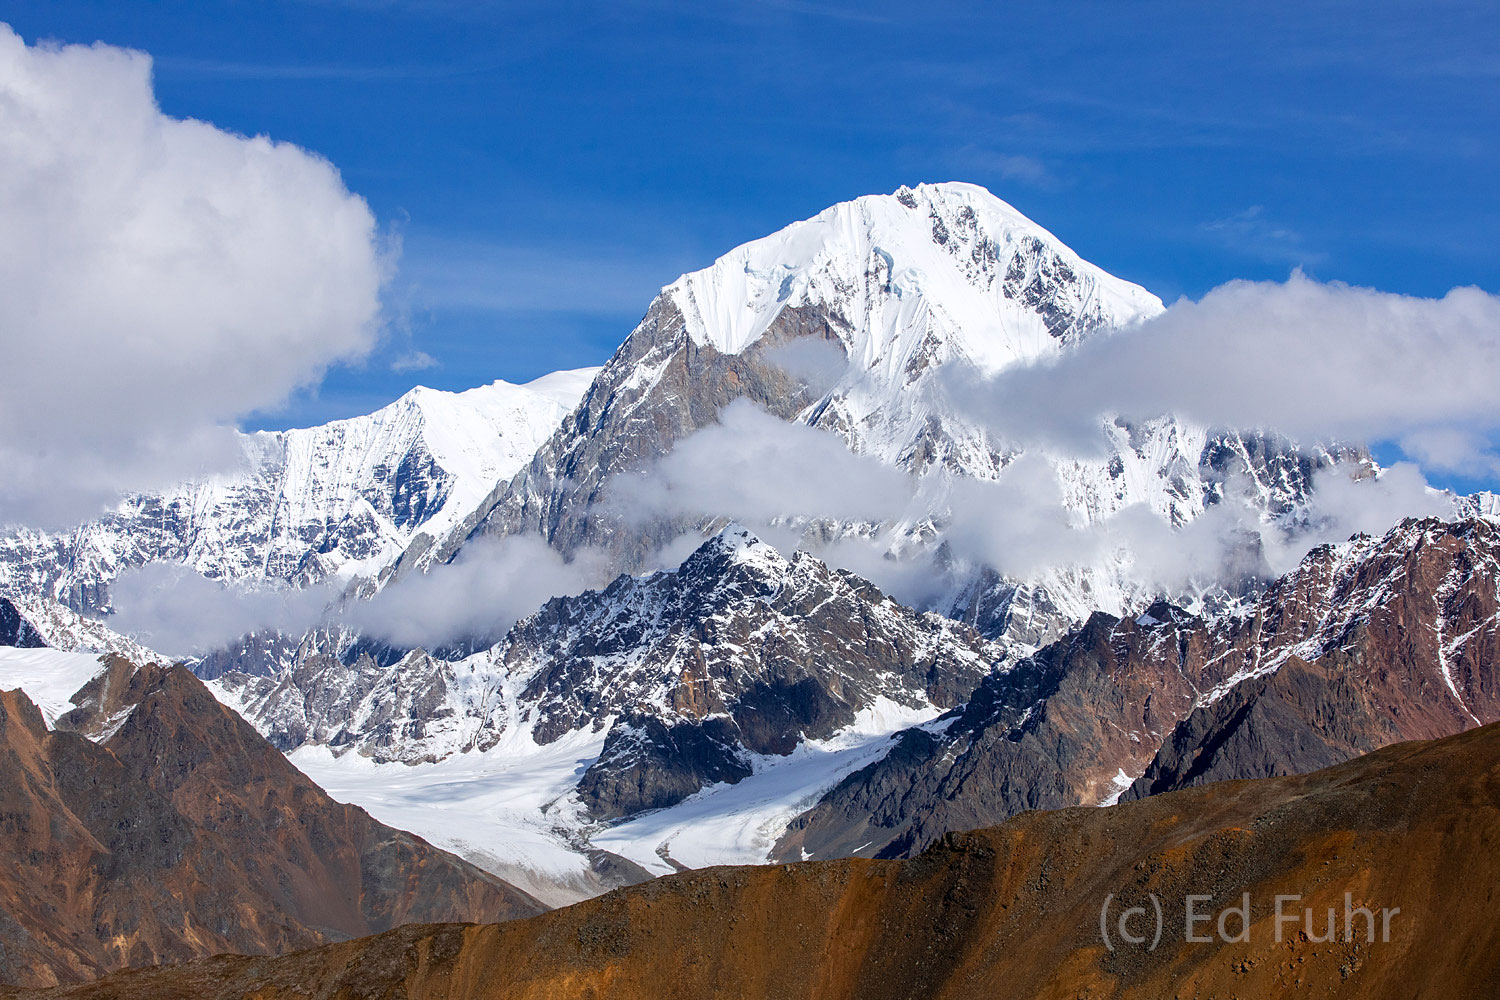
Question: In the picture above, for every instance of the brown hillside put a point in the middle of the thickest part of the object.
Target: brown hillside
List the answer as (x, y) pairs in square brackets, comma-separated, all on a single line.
[(1012, 912), (184, 834)]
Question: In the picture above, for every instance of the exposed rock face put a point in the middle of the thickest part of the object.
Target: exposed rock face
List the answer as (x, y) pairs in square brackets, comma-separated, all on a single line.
[(156, 825), (1364, 644), (1053, 731), (739, 651), (16, 630), (1404, 641), (647, 763), (781, 646), (660, 386), (1011, 912)]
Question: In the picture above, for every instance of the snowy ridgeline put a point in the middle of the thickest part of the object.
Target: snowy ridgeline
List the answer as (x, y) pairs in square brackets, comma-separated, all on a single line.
[(339, 501)]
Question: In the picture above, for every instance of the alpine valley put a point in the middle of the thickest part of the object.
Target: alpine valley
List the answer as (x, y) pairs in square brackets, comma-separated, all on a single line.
[(702, 678)]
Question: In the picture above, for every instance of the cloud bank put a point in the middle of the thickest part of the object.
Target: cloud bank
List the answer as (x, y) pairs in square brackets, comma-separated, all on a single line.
[(1314, 361), (490, 585), (159, 278)]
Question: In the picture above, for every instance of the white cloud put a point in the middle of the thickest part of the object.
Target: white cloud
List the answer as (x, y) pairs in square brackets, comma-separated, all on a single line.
[(413, 361), (782, 479), (755, 468), (1343, 505), (159, 278), (178, 611), (1452, 449), (490, 585), (1315, 361)]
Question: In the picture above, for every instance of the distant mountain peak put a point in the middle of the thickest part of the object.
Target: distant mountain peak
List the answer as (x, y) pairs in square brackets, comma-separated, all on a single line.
[(948, 258), (741, 547), (338, 500)]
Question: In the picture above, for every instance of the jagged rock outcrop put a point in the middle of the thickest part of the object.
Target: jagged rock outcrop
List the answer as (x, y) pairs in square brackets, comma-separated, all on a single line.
[(155, 825), (740, 651), (1403, 645)]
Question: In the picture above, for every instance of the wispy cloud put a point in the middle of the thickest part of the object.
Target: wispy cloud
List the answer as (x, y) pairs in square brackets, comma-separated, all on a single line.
[(1254, 234), (1021, 168), (346, 72), (413, 361)]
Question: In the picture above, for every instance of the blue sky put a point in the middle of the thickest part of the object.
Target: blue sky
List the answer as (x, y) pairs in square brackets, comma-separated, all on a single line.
[(549, 166)]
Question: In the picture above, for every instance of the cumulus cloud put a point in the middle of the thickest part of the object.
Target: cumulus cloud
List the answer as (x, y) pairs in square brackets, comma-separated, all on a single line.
[(159, 278), (1312, 360)]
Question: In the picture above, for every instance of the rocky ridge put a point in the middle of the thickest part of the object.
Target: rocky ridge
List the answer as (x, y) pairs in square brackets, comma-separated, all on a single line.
[(1364, 644), (740, 651)]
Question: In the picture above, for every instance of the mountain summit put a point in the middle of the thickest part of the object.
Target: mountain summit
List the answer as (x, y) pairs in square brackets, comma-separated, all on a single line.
[(948, 262)]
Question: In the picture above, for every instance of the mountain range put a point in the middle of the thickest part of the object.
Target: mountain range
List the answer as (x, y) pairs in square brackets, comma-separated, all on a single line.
[(740, 678)]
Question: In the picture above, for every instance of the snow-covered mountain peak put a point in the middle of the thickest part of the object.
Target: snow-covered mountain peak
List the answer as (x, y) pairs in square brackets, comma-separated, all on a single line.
[(739, 546), (949, 261), (342, 500), (485, 434)]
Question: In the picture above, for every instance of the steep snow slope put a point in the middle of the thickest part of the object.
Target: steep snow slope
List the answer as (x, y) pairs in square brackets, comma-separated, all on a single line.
[(50, 677), (932, 275), (334, 501), (847, 322), (950, 259)]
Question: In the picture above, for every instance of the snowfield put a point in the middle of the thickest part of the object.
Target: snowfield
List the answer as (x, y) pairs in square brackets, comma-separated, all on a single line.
[(510, 809), (48, 676)]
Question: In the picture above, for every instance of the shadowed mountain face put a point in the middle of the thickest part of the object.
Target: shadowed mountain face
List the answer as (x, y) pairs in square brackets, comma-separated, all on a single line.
[(1012, 912), (1365, 644), (156, 825), (15, 630)]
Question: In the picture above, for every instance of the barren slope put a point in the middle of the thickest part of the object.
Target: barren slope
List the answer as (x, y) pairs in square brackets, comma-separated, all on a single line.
[(1008, 912)]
